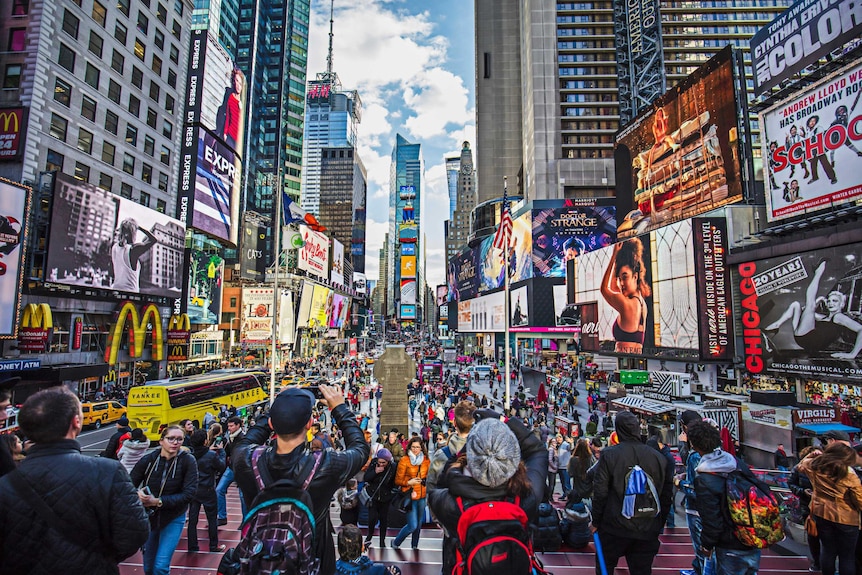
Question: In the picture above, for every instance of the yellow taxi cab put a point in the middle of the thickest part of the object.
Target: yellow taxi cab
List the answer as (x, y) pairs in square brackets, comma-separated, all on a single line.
[(99, 413)]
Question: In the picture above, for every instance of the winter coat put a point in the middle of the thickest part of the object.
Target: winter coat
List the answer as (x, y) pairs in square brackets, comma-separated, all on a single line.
[(131, 452), (380, 484), (395, 449), (179, 477), (837, 501), (211, 463), (711, 501), (407, 471), (582, 487), (799, 483), (439, 459), (443, 501), (362, 566), (113, 446), (564, 455), (553, 460), (93, 496), (333, 471)]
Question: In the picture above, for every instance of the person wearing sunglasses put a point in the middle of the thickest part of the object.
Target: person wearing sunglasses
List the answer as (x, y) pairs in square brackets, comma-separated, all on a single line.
[(167, 480)]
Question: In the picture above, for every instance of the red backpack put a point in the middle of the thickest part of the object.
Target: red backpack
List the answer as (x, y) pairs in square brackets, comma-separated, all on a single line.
[(494, 538)]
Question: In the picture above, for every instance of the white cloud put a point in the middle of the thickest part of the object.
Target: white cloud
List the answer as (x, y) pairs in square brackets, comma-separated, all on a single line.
[(438, 98)]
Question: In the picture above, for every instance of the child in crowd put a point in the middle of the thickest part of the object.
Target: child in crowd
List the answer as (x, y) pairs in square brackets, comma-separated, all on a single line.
[(348, 501), (351, 559)]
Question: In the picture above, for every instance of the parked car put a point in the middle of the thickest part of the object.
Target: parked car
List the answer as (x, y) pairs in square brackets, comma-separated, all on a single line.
[(98, 413)]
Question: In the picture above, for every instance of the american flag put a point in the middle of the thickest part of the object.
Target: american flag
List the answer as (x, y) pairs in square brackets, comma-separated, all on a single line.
[(501, 238)]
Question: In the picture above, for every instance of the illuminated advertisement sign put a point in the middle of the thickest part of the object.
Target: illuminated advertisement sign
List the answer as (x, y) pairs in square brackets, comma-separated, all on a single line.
[(442, 294), (256, 316), (463, 276), (520, 306), (713, 282), (14, 207), (408, 291), (491, 271), (255, 231), (37, 325), (318, 93), (100, 240), (800, 312), (360, 283), (314, 255), (408, 233), (321, 306), (408, 266), (408, 312), (681, 157), (217, 188), (179, 337), (149, 320), (305, 304), (798, 37), (563, 233), (205, 287), (408, 249), (337, 273), (11, 130), (340, 308), (811, 147), (521, 248), (483, 314)]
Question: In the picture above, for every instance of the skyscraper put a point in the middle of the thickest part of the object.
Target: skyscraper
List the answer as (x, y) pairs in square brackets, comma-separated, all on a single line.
[(406, 188), (458, 230), (453, 167)]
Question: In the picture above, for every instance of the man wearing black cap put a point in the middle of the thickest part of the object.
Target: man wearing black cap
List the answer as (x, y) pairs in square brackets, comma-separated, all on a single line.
[(114, 443), (835, 435), (290, 418)]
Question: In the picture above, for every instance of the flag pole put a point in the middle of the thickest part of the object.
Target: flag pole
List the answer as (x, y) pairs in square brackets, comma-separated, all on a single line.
[(507, 303), (275, 298)]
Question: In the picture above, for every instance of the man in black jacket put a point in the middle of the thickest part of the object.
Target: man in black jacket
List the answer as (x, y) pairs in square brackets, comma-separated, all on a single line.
[(637, 538), (232, 438), (64, 512), (290, 418), (114, 443)]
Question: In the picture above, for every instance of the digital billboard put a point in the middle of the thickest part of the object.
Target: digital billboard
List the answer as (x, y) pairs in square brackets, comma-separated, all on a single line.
[(337, 272), (811, 145), (205, 287), (799, 313), (562, 233), (100, 240), (256, 316), (314, 254), (408, 312), (255, 232), (519, 305), (408, 266), (408, 291), (463, 276), (442, 294), (712, 274), (798, 37), (680, 158), (14, 210), (321, 306), (483, 314), (491, 269), (521, 248), (12, 130), (305, 300), (218, 179), (340, 307)]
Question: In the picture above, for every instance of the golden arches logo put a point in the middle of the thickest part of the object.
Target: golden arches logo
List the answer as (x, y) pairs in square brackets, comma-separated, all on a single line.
[(137, 332), (37, 316), (8, 118), (180, 322)]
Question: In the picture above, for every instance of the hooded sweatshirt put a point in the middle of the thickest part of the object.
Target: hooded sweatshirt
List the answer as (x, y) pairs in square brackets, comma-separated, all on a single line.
[(711, 500), (131, 452)]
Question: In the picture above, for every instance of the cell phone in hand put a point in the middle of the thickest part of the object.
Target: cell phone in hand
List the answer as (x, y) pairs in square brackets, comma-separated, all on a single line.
[(146, 491)]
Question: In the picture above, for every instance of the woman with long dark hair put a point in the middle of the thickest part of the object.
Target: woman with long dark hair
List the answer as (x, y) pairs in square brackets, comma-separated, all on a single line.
[(410, 476), (625, 288), (836, 501), (579, 465)]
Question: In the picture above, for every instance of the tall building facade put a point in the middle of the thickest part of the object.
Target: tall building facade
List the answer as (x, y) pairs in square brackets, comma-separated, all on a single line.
[(406, 190), (453, 167), (342, 185), (458, 228)]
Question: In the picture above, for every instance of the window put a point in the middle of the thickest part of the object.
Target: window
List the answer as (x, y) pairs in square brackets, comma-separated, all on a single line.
[(59, 126), (70, 24), (123, 6), (91, 76), (134, 105), (17, 39), (131, 135), (172, 79), (177, 30), (106, 182), (145, 199), (96, 44), (143, 23), (162, 14), (175, 54), (62, 92), (115, 91), (159, 40), (85, 141), (88, 108), (161, 206), (167, 128), (109, 150), (112, 122), (54, 161), (165, 156), (82, 171), (156, 65), (20, 7), (140, 49), (126, 190), (178, 7), (12, 77), (118, 61), (67, 58), (137, 77), (147, 173), (169, 103), (163, 182), (149, 146), (121, 33), (152, 118), (129, 164), (100, 13)]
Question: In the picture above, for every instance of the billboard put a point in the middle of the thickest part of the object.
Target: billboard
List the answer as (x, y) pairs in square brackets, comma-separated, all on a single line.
[(800, 312), (408, 291), (305, 299), (11, 133), (337, 272), (408, 249), (681, 157), (14, 209), (640, 62), (490, 260), (99, 240), (483, 314), (813, 142), (218, 179), (521, 248), (286, 324), (798, 37), (360, 283), (255, 231), (462, 276), (442, 294), (520, 306), (256, 316), (408, 312), (314, 255), (562, 233), (205, 286), (321, 306), (408, 266), (340, 308), (712, 274)]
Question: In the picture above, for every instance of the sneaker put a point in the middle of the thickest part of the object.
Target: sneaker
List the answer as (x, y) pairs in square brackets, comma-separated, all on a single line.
[(218, 548), (395, 545), (814, 569), (222, 521), (368, 544)]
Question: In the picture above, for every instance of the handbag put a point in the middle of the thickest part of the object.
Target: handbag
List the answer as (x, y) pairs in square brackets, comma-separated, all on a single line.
[(364, 497), (811, 526), (402, 500)]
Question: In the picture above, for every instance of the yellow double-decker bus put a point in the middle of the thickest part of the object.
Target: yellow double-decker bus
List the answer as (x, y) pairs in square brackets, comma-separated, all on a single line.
[(160, 403)]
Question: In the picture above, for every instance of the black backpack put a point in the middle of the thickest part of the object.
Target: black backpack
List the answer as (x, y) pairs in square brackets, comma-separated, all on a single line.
[(546, 533)]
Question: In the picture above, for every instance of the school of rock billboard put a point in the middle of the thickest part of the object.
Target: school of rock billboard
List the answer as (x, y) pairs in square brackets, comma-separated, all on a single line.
[(812, 143), (799, 37), (14, 208), (799, 313), (681, 157)]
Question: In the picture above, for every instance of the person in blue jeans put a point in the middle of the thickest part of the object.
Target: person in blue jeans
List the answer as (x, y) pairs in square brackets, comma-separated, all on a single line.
[(233, 437), (410, 477), (692, 517), (167, 480)]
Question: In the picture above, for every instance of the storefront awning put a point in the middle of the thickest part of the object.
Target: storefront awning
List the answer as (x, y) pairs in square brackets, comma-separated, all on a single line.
[(821, 428), (638, 403)]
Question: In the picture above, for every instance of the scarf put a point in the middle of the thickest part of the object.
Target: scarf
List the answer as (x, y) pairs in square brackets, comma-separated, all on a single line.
[(416, 459)]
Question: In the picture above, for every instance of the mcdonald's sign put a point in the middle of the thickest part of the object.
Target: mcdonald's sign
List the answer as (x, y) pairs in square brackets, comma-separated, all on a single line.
[(137, 332), (179, 335), (11, 122), (37, 323)]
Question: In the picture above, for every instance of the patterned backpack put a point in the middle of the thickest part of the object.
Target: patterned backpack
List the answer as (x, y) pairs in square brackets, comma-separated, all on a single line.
[(754, 511), (277, 534)]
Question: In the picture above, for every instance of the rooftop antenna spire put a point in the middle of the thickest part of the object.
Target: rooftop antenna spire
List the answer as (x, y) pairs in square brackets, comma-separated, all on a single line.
[(329, 54)]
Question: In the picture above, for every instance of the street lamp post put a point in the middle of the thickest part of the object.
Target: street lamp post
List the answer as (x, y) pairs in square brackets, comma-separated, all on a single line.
[(230, 348)]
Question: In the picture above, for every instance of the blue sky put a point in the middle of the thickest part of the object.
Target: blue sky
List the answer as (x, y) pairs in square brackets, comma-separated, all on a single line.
[(412, 62)]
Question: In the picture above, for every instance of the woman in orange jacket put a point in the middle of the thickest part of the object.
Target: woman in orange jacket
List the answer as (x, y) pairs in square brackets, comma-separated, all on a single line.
[(410, 477)]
